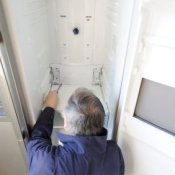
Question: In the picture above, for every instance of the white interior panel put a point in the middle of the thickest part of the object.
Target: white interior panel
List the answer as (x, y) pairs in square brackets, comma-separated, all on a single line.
[(113, 14), (159, 64), (160, 24), (150, 55), (75, 48), (30, 19), (158, 41), (141, 158), (118, 21), (45, 35), (62, 7), (99, 32)]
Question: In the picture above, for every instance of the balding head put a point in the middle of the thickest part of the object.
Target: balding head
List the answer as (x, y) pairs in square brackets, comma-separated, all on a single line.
[(84, 113)]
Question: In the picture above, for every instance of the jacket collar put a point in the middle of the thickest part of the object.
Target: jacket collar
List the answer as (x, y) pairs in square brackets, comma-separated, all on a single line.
[(89, 145)]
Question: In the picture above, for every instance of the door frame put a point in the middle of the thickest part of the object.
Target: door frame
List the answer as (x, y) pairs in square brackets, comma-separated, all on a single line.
[(12, 76)]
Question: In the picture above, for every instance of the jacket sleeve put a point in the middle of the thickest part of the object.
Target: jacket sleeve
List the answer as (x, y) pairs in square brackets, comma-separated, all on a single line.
[(42, 130), (39, 147), (44, 125)]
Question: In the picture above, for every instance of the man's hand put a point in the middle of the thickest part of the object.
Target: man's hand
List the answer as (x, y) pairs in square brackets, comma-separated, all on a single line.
[(51, 100)]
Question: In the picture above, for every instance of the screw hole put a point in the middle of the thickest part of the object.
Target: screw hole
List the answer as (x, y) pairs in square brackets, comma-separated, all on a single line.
[(76, 31)]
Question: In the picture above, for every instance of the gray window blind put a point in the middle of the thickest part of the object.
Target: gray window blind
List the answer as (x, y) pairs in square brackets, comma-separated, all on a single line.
[(156, 105)]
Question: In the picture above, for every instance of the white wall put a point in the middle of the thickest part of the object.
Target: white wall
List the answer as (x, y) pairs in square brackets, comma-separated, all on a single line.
[(28, 23), (88, 46), (118, 19)]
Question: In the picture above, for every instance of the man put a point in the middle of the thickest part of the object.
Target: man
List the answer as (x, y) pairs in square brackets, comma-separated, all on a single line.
[(84, 149)]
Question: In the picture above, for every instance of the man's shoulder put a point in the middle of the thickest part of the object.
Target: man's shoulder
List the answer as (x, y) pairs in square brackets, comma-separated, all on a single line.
[(114, 150), (113, 145)]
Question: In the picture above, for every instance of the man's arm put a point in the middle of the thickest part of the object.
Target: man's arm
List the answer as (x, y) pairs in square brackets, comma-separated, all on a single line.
[(41, 134), (39, 147), (43, 128)]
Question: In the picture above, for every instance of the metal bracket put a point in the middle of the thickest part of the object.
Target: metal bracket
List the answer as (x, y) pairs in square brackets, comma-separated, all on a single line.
[(55, 76), (97, 72)]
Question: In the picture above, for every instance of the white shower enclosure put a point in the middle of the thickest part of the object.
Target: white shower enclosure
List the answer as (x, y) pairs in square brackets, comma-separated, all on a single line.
[(72, 44)]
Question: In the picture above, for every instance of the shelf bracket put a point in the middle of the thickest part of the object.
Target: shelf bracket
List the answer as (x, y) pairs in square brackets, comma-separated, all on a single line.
[(97, 72), (55, 76)]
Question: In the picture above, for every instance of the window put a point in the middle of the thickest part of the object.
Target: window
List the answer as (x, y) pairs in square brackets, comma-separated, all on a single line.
[(156, 105)]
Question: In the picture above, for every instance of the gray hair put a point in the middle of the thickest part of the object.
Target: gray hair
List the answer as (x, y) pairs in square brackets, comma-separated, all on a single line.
[(85, 113)]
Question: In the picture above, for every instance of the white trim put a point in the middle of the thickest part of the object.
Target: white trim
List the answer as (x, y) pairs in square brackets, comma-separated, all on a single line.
[(141, 132), (150, 135)]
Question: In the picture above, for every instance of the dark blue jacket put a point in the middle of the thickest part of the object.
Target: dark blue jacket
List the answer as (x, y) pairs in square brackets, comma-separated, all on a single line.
[(79, 155)]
